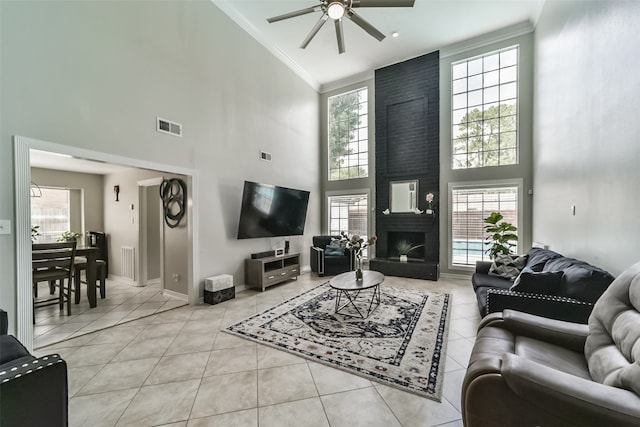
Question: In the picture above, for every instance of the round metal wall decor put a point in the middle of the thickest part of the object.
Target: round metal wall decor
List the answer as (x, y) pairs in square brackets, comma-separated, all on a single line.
[(173, 193)]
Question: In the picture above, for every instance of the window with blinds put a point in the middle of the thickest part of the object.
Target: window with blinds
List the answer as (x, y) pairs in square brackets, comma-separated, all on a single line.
[(52, 213), (349, 213), (470, 206)]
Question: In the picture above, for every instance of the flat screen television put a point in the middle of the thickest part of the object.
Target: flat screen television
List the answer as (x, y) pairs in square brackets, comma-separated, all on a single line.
[(271, 211)]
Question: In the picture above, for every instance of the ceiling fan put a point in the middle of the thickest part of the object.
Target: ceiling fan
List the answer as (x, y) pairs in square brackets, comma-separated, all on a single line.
[(338, 9)]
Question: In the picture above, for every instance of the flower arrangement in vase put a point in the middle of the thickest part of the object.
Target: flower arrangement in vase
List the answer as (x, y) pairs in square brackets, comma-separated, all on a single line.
[(429, 199), (356, 244)]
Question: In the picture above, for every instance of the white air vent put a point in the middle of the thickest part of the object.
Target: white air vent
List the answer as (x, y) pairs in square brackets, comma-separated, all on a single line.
[(265, 156), (165, 126)]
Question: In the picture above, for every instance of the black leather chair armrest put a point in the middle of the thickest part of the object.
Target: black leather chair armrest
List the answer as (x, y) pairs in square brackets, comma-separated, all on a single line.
[(580, 401), (41, 384), (483, 267), (551, 306), (4, 322), (317, 259)]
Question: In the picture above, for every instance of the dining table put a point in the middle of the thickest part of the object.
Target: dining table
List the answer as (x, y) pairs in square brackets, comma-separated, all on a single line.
[(91, 254)]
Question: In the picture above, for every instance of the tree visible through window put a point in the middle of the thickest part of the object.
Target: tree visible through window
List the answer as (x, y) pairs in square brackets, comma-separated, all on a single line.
[(348, 135), (485, 112)]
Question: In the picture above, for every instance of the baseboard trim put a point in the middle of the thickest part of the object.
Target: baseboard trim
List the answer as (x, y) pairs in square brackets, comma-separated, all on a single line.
[(175, 294), (123, 279), (455, 276)]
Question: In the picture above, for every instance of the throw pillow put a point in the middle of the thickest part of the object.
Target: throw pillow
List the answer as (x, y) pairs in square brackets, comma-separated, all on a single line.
[(335, 243), (507, 266), (538, 282), (330, 250)]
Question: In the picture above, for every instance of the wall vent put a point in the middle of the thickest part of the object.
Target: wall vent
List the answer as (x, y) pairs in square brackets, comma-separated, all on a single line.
[(165, 126), (265, 156), (128, 262)]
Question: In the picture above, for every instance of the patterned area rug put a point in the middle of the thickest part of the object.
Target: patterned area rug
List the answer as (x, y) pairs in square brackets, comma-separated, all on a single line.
[(401, 344)]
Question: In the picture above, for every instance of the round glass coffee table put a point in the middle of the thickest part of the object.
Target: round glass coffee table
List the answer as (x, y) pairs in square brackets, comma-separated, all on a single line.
[(348, 291)]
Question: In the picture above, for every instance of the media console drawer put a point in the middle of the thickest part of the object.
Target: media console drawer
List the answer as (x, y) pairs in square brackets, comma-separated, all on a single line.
[(264, 272)]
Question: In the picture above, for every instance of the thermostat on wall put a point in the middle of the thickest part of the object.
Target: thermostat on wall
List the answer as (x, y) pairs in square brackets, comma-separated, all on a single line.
[(279, 251)]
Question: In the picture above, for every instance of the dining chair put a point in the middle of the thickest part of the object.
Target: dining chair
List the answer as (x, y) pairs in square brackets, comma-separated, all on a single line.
[(99, 240), (53, 263)]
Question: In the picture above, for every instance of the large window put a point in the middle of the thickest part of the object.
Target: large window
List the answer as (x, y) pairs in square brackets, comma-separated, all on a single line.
[(469, 207), (485, 110), (348, 135), (349, 213), (52, 213)]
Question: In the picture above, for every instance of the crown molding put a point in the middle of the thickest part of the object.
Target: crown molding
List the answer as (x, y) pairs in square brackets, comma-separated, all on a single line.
[(502, 34)]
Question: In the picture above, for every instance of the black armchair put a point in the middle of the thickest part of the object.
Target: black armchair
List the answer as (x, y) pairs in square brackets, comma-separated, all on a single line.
[(332, 261), (28, 382)]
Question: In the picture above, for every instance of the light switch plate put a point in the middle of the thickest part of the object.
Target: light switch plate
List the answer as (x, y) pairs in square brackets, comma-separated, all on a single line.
[(5, 226)]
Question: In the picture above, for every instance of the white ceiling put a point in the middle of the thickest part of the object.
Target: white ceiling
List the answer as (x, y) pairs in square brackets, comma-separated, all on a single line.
[(428, 26)]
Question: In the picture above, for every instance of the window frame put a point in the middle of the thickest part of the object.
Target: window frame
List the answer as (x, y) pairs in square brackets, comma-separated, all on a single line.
[(355, 192), (517, 106), (361, 142), (42, 232), (486, 184)]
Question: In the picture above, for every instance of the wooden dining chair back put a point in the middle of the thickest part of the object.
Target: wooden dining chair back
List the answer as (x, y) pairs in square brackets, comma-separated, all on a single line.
[(99, 240), (53, 263)]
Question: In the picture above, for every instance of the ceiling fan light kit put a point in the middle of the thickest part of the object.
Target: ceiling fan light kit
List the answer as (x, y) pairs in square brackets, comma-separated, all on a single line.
[(338, 9)]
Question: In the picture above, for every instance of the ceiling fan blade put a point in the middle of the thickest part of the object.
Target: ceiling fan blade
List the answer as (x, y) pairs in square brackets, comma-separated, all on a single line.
[(362, 23), (339, 35), (383, 3), (293, 14), (314, 30)]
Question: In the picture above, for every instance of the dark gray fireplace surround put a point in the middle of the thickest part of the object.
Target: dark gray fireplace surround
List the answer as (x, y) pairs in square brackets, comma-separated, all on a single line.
[(407, 148)]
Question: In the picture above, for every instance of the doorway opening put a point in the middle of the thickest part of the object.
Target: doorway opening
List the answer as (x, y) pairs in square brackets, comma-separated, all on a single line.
[(23, 145)]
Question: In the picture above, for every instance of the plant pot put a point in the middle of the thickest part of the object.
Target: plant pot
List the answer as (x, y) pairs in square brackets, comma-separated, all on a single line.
[(403, 258)]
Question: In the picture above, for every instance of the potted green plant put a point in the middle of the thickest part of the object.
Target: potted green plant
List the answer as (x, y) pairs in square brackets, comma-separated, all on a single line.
[(68, 236), (404, 247), (500, 236)]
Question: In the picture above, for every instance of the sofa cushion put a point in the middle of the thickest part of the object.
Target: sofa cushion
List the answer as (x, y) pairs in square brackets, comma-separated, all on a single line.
[(331, 250), (12, 350), (538, 282), (482, 283), (611, 348), (507, 266), (485, 280), (537, 258), (581, 280)]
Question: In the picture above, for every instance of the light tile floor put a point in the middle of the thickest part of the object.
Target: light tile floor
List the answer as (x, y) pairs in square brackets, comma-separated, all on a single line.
[(123, 302), (178, 368)]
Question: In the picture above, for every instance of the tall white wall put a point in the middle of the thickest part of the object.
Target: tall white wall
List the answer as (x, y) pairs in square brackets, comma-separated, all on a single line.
[(96, 74), (586, 131)]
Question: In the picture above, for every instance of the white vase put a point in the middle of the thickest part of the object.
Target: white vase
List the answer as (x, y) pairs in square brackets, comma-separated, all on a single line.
[(403, 258)]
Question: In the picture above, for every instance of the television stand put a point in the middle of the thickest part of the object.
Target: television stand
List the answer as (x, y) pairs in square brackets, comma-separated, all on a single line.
[(261, 273)]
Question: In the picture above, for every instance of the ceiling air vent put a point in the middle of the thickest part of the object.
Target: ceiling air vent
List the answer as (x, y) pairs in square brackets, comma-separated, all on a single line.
[(165, 126)]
